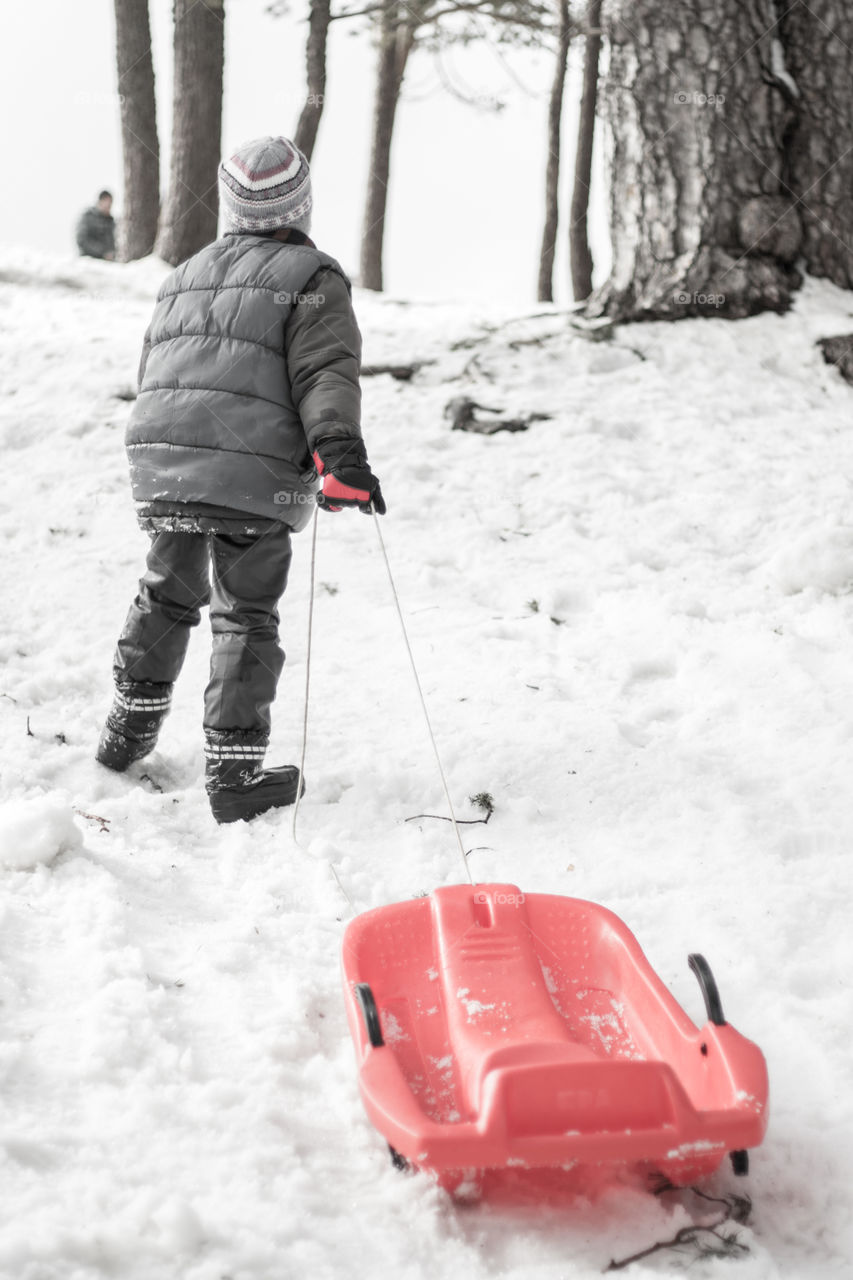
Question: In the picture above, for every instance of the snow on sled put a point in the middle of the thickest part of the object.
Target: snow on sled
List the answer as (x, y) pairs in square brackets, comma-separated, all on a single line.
[(496, 1029)]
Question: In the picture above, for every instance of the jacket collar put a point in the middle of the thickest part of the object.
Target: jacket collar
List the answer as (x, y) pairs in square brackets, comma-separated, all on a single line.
[(292, 236)]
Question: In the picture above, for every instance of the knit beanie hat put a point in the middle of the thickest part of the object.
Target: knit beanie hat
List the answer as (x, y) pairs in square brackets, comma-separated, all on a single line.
[(264, 185)]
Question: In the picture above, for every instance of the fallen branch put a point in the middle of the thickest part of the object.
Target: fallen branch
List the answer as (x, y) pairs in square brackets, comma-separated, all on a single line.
[(482, 800), (402, 372), (738, 1207), (462, 412), (708, 1240), (701, 1237), (442, 817), (489, 330), (103, 823)]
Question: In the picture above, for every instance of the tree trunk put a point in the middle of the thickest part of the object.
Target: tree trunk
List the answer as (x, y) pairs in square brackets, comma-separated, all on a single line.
[(140, 145), (579, 252), (397, 35), (192, 208), (315, 64), (816, 55), (552, 170), (702, 220)]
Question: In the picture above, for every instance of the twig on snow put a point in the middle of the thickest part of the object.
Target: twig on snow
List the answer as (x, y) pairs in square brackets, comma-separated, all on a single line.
[(482, 800), (708, 1240), (103, 823)]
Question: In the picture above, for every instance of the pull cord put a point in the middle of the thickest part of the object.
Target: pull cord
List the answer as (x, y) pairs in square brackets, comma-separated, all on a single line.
[(418, 685), (422, 698)]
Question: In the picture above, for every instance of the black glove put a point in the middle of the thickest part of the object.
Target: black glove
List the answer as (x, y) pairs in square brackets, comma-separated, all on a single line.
[(341, 461)]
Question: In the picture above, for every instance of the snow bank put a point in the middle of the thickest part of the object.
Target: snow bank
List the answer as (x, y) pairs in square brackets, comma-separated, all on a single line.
[(821, 558), (36, 830), (664, 725)]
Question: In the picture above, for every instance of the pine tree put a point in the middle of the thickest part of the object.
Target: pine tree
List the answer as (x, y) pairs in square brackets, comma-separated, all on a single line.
[(706, 214)]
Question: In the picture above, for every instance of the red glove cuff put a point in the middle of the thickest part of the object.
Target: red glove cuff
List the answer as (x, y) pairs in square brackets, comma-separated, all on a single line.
[(334, 488)]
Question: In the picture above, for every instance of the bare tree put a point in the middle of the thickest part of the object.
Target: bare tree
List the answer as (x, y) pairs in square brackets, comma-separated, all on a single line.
[(580, 256), (191, 211), (397, 34), (552, 168), (140, 145), (315, 65), (403, 25), (719, 156)]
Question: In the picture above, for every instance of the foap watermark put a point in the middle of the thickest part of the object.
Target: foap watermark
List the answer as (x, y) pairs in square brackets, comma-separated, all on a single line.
[(500, 899), (288, 498), (286, 299), (694, 98), (685, 299)]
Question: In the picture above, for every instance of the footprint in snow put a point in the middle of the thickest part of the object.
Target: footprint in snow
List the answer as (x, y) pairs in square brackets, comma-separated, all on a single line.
[(646, 669), (644, 730)]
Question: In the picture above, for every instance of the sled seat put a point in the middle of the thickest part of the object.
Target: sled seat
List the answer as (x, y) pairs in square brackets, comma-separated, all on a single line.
[(494, 1028)]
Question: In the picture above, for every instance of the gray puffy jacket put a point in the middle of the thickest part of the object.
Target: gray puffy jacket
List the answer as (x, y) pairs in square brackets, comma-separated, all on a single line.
[(96, 233), (252, 357)]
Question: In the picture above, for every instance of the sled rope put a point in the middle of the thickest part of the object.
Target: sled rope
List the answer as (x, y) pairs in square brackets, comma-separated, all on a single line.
[(312, 576), (442, 775), (308, 686), (422, 698)]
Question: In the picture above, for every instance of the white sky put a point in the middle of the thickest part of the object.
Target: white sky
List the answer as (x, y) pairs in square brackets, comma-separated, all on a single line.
[(465, 208)]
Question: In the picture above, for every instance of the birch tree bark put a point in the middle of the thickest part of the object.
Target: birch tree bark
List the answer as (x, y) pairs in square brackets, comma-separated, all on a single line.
[(139, 142), (192, 207)]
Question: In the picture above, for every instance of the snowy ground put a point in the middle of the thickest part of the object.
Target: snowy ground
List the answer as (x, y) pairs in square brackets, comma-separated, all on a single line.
[(633, 624)]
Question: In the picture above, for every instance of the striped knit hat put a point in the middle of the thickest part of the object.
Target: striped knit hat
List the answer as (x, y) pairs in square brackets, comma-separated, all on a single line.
[(264, 185)]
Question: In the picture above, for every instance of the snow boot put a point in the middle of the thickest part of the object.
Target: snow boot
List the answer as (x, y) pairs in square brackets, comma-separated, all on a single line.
[(139, 708), (237, 784)]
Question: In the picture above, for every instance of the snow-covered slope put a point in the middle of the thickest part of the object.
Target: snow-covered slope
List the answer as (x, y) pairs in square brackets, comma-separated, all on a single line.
[(633, 624)]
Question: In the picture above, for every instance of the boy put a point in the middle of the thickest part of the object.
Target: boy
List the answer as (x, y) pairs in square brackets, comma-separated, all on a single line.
[(248, 393), (96, 230)]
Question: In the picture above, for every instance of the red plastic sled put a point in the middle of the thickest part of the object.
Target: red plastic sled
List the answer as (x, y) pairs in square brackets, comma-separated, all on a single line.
[(496, 1029)]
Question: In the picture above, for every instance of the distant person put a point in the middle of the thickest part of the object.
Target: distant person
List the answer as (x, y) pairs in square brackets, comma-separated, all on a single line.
[(96, 230), (249, 402)]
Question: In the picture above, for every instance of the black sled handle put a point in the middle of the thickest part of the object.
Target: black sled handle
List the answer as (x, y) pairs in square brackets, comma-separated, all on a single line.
[(708, 987), (369, 1013)]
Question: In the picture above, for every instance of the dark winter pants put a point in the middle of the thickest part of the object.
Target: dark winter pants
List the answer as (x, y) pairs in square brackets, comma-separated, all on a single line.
[(242, 579)]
